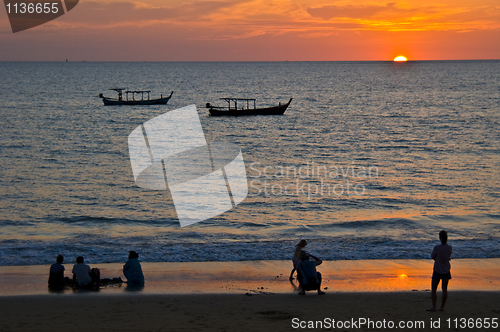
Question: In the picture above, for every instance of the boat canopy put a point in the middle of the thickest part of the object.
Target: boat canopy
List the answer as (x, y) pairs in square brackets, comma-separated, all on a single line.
[(235, 101), (133, 92), (142, 92)]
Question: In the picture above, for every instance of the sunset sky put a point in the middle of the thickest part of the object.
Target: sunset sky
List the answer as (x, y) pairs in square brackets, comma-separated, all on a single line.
[(261, 30)]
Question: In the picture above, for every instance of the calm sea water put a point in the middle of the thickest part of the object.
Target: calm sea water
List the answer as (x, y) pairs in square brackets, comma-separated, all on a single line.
[(370, 161)]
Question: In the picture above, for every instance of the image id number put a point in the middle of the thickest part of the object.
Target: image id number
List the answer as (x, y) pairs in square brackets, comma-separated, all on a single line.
[(32, 8), (477, 323)]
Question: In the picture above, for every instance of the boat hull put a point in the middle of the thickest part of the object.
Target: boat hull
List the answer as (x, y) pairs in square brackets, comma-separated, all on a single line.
[(275, 110)]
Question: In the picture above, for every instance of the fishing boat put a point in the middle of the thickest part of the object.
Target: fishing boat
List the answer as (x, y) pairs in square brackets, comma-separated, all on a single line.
[(130, 98), (245, 107)]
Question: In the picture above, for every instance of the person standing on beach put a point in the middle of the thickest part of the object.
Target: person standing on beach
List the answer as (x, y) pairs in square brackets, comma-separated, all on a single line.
[(56, 274), (132, 270), (441, 256), (296, 256), (85, 276)]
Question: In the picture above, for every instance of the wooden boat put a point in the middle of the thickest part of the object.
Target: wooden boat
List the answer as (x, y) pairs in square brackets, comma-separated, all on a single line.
[(236, 107), (132, 101)]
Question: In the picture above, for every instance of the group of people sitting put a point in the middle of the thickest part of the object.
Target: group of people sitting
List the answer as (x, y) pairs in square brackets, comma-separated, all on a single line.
[(86, 277)]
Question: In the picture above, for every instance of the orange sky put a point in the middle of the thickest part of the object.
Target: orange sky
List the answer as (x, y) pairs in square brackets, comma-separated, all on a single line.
[(261, 30)]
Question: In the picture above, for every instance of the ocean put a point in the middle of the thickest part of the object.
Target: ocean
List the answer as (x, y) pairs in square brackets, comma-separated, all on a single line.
[(370, 161)]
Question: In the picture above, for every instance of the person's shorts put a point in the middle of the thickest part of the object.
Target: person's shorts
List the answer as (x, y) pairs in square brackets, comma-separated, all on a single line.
[(313, 282), (439, 276)]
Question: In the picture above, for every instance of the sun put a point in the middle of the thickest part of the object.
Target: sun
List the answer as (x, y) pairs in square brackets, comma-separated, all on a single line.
[(400, 58)]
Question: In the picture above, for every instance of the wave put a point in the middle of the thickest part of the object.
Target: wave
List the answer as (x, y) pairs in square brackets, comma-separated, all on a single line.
[(97, 249), (98, 221)]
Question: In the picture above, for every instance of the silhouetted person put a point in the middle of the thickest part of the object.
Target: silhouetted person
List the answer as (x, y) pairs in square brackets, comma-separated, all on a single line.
[(132, 270), (85, 276), (56, 274), (309, 278), (441, 256), (296, 256)]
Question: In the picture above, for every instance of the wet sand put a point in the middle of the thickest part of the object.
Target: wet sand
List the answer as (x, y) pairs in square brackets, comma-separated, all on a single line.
[(253, 296), (269, 277)]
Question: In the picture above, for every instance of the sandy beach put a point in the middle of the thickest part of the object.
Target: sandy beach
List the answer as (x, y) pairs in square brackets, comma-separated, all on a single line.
[(256, 296), (239, 312)]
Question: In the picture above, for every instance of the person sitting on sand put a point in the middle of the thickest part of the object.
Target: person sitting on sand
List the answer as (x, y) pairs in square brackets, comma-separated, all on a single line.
[(296, 256), (441, 256), (309, 278), (85, 276), (132, 270), (56, 274)]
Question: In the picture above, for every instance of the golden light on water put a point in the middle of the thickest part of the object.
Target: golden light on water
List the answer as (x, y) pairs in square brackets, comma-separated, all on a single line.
[(400, 58)]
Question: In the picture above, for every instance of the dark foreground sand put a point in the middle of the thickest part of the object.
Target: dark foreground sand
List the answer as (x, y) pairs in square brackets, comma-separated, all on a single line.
[(257, 296), (239, 312)]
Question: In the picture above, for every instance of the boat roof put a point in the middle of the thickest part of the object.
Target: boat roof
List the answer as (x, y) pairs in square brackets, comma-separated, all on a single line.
[(233, 99), (130, 91)]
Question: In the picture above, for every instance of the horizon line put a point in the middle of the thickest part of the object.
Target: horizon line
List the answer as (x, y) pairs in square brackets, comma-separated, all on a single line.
[(235, 61)]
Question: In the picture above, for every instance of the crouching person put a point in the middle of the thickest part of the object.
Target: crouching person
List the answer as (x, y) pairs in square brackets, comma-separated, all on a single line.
[(309, 278), (132, 270)]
